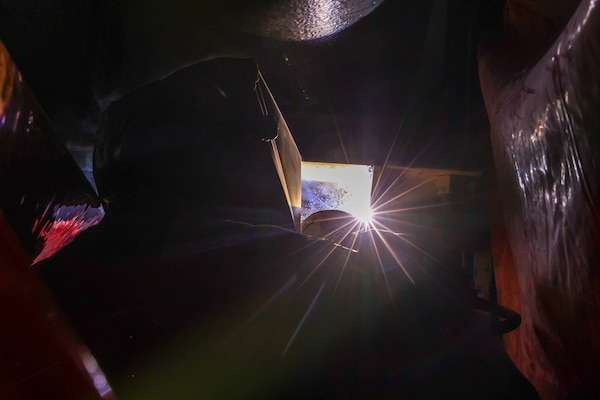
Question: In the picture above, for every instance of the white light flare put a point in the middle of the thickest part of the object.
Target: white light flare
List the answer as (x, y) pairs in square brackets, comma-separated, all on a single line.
[(365, 217), (344, 187)]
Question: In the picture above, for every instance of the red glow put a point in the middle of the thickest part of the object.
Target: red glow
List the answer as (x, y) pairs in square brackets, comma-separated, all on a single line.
[(59, 231)]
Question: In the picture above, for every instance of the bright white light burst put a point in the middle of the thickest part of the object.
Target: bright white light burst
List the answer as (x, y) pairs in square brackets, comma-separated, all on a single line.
[(344, 187)]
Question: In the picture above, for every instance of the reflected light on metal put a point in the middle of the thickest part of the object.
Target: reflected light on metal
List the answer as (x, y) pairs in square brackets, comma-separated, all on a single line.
[(307, 19)]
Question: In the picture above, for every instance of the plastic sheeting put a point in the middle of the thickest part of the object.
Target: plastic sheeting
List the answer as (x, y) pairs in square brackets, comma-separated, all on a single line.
[(43, 193), (545, 131)]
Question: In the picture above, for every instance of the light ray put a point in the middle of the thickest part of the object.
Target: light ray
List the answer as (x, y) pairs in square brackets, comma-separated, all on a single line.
[(381, 267), (403, 237), (400, 175), (308, 310), (335, 120), (389, 153), (344, 266), (339, 134), (355, 223), (426, 206), (400, 210), (328, 254), (376, 207), (393, 253), (316, 268), (249, 224), (349, 226), (270, 301)]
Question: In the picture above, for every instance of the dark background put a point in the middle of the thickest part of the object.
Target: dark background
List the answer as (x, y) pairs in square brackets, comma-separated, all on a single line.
[(403, 77)]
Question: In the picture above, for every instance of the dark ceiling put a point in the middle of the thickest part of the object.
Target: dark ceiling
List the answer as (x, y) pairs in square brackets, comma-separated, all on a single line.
[(403, 77)]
